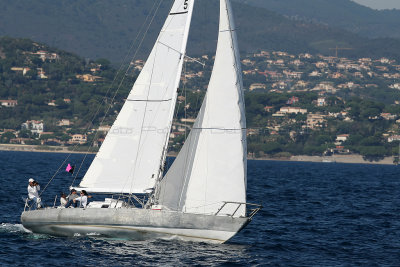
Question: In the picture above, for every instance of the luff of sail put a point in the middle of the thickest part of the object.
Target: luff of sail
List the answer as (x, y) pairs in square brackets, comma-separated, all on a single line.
[(211, 167), (129, 159)]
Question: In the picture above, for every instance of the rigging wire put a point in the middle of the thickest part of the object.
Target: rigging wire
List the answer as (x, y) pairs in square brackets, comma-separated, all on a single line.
[(107, 92), (124, 76), (190, 151)]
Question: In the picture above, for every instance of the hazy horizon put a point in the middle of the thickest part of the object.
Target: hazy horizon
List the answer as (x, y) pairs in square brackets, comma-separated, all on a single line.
[(381, 4)]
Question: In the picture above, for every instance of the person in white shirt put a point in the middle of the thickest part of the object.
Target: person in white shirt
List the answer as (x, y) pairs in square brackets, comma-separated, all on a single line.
[(82, 199), (33, 193)]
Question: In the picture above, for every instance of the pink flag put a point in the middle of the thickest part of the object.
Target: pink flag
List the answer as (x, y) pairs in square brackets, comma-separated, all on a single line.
[(69, 168)]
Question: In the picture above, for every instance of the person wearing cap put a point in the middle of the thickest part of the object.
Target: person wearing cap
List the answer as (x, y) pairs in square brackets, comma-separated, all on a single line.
[(33, 192), (71, 198)]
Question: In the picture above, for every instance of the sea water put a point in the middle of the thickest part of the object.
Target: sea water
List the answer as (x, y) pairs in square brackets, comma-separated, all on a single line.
[(315, 214)]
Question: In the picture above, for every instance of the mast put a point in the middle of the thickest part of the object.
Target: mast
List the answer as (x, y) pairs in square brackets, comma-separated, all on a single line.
[(130, 157), (211, 166), (175, 95)]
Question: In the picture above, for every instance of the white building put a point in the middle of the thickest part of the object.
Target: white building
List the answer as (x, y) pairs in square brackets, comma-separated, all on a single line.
[(295, 110), (64, 122), (33, 126), (9, 103), (342, 138), (321, 102)]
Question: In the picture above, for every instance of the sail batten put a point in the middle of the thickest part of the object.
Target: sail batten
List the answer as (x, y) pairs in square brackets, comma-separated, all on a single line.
[(211, 166), (130, 156)]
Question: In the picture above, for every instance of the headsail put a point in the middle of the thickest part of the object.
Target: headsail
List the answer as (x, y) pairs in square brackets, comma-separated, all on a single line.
[(129, 159), (211, 167)]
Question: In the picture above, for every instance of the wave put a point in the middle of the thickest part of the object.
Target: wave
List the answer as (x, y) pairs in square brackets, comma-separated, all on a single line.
[(13, 228)]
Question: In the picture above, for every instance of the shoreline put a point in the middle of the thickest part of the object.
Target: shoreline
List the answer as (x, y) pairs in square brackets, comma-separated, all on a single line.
[(38, 148), (351, 159)]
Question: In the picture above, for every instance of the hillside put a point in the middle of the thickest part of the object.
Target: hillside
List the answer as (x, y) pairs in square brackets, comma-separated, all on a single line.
[(106, 28), (295, 104), (51, 84), (344, 14)]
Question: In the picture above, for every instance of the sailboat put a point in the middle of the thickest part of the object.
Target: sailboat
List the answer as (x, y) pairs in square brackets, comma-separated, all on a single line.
[(202, 197)]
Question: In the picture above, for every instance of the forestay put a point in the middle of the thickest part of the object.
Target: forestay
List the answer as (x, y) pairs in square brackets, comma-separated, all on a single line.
[(130, 158), (211, 167)]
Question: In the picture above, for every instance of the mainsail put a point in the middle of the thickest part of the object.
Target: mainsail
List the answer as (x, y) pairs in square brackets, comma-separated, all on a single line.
[(130, 158), (211, 167)]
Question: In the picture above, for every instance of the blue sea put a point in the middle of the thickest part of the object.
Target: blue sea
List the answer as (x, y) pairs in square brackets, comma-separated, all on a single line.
[(315, 214)]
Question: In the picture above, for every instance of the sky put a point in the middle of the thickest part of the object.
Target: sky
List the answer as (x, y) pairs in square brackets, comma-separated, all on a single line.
[(380, 4)]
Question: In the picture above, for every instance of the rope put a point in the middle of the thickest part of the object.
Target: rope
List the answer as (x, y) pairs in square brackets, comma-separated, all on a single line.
[(125, 74), (44, 189), (106, 95)]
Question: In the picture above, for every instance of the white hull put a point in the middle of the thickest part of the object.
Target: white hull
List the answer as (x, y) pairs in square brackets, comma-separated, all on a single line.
[(133, 224)]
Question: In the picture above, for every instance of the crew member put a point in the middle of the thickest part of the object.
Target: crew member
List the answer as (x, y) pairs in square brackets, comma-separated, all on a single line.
[(33, 192)]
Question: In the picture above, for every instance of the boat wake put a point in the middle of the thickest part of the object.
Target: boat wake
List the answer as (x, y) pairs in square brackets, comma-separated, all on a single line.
[(19, 229), (13, 228)]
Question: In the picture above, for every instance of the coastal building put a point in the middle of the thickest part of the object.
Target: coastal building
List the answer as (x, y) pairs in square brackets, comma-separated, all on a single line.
[(325, 86), (339, 150), (315, 73), (315, 120), (301, 84), (249, 72), (281, 85), (294, 110), (23, 70), (257, 86), (64, 122), (321, 65), (9, 103), (33, 126), (395, 86), (52, 103), (342, 138), (293, 74), (393, 138), (95, 67), (176, 134), (78, 139), (262, 54), (248, 62), (321, 102), (292, 100), (268, 108), (388, 116), (252, 132), (88, 78), (44, 55), (190, 120), (41, 73), (104, 128)]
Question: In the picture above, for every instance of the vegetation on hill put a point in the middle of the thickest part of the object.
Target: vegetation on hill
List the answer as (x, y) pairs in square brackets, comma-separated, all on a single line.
[(293, 134), (50, 85), (106, 28), (345, 14), (51, 89)]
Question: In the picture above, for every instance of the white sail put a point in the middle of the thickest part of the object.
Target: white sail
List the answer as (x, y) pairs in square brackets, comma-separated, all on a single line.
[(130, 158), (211, 167)]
